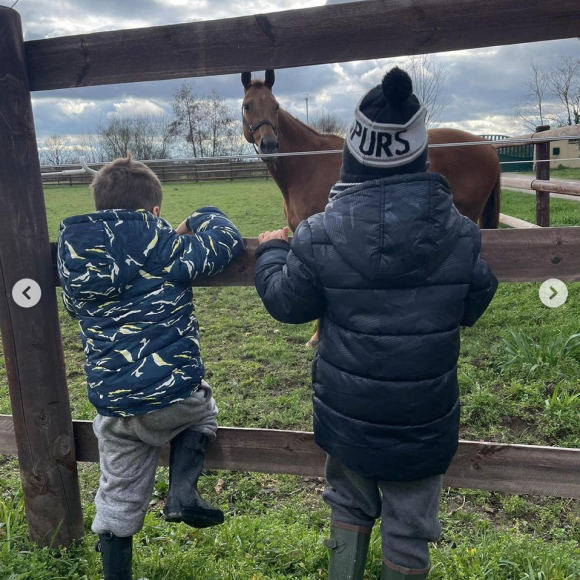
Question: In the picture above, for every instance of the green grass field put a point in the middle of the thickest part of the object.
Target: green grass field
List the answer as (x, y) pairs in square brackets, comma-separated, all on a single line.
[(558, 172), (565, 172), (517, 390)]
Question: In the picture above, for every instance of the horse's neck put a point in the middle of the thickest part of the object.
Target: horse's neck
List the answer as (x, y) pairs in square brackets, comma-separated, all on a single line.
[(305, 180), (294, 136)]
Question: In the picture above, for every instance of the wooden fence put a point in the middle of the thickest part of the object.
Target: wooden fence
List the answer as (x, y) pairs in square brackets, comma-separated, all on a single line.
[(172, 171), (41, 430), (541, 184)]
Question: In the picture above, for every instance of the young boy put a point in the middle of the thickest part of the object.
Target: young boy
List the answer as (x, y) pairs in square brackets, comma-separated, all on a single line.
[(392, 270), (126, 275)]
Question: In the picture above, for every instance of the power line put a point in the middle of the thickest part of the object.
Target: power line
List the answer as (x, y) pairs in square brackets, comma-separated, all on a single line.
[(291, 103), (330, 94)]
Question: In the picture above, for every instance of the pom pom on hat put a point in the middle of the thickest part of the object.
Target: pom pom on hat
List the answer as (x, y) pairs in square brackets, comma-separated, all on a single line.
[(397, 86)]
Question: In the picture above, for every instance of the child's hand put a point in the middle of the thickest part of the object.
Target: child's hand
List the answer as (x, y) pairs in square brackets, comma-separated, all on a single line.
[(277, 235), (182, 229)]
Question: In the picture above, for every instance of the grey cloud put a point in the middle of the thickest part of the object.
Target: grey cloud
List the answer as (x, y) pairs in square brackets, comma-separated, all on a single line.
[(480, 85)]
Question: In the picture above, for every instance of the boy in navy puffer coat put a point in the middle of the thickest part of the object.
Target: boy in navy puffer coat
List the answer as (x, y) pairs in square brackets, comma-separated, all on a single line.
[(126, 275), (392, 270)]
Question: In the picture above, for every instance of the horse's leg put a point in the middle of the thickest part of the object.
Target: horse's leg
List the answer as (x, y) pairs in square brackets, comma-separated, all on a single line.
[(313, 342)]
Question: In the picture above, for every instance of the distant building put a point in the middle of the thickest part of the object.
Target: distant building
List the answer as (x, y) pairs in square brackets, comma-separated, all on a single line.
[(567, 149)]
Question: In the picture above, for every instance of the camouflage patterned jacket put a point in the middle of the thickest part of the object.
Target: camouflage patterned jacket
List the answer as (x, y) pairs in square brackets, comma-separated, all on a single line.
[(126, 275)]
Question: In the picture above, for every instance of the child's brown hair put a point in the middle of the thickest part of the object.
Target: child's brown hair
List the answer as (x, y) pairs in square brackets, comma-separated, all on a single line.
[(126, 184)]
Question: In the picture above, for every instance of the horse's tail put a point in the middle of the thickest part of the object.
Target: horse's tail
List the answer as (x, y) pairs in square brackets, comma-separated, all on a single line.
[(490, 216)]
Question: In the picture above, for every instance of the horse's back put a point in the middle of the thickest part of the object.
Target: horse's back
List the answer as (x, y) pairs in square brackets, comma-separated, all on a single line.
[(472, 170), (475, 153)]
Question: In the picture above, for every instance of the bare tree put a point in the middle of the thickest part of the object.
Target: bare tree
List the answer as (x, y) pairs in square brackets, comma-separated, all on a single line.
[(221, 125), (207, 124), (331, 123), (115, 136), (146, 136), (429, 76), (189, 112), (54, 150), (152, 136), (532, 111), (88, 146), (564, 83)]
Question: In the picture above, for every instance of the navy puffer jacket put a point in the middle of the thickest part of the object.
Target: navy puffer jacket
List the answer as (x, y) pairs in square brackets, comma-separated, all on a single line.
[(393, 270), (126, 275)]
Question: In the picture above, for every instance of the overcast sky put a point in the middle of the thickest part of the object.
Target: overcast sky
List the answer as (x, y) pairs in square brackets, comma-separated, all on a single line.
[(483, 85)]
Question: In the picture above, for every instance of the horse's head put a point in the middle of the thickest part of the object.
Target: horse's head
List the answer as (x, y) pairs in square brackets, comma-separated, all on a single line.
[(260, 113)]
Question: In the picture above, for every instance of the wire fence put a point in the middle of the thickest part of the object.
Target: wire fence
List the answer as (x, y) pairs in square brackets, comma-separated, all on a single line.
[(250, 166)]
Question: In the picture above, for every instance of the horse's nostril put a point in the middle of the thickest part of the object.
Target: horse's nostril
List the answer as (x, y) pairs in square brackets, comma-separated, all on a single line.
[(269, 146)]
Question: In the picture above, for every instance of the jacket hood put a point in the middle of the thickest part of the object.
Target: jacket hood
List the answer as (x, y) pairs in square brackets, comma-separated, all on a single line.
[(398, 227), (100, 253)]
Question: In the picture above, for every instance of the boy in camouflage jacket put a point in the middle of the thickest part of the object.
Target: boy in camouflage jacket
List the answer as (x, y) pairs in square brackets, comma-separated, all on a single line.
[(126, 275)]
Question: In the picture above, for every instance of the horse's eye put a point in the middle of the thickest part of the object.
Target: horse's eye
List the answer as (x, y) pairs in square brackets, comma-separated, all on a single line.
[(277, 107), (246, 108)]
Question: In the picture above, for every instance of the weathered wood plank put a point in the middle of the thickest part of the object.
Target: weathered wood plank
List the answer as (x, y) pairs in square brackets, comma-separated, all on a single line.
[(7, 436), (327, 34), (518, 469), (533, 255), (31, 336), (516, 255), (567, 187), (522, 469), (513, 222)]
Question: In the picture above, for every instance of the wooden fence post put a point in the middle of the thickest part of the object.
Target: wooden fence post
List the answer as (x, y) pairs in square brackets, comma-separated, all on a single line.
[(31, 336), (543, 172)]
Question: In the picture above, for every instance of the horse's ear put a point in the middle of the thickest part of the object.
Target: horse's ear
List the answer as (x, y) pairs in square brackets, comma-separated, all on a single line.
[(247, 79), (270, 78)]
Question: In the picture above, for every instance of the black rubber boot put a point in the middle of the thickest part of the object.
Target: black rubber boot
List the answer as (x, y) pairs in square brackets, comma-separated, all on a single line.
[(184, 504), (117, 555)]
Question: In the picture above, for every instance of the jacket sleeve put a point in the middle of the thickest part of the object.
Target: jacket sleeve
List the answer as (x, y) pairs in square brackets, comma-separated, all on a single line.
[(213, 244), (482, 288), (68, 304), (286, 280), (63, 275)]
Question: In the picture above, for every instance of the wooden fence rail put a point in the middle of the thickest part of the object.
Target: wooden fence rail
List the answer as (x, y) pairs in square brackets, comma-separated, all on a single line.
[(567, 187), (513, 255), (514, 222), (171, 172), (327, 34), (477, 465)]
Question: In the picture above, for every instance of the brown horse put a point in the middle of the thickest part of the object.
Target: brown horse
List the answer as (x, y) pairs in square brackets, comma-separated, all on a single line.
[(305, 181), (473, 172)]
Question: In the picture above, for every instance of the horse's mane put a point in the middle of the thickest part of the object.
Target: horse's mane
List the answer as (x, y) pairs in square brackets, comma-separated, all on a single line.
[(304, 125)]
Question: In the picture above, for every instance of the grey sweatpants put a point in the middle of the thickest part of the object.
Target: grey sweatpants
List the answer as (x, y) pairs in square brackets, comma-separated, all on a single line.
[(408, 512), (129, 449)]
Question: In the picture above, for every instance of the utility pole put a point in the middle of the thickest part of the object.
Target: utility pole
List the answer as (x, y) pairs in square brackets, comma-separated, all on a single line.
[(306, 99)]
